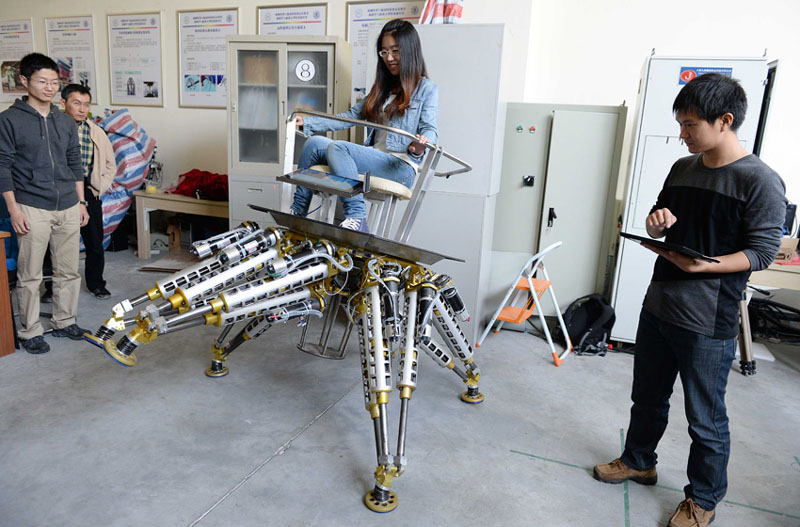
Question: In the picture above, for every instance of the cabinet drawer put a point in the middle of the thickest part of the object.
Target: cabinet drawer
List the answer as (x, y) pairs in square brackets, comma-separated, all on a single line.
[(265, 194)]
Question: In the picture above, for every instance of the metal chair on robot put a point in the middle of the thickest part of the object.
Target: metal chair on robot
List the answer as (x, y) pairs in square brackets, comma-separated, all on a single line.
[(383, 196), (529, 291)]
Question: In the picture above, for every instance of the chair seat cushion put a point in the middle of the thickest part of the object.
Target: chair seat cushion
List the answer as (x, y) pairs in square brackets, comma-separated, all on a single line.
[(377, 184)]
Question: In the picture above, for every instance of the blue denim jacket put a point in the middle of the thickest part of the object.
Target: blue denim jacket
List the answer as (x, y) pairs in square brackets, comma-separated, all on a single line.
[(419, 118)]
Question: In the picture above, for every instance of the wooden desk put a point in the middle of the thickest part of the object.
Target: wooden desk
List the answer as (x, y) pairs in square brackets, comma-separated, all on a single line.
[(782, 276), (6, 327), (145, 203)]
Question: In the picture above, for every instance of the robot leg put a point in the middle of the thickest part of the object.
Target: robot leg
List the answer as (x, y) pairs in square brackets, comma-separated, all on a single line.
[(407, 374), (261, 317), (444, 319), (250, 241), (376, 369), (220, 352)]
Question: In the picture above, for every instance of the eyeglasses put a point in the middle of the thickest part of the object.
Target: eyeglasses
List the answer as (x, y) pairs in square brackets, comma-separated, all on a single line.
[(386, 52), (42, 83)]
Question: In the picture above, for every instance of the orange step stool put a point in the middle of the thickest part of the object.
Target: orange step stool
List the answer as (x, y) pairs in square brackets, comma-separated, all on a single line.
[(529, 290)]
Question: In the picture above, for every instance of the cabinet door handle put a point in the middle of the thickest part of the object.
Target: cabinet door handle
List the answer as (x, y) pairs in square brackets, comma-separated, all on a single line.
[(255, 190), (551, 216)]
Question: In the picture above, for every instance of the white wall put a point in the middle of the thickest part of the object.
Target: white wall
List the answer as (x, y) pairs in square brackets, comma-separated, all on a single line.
[(560, 51), (187, 137), (195, 138), (592, 53)]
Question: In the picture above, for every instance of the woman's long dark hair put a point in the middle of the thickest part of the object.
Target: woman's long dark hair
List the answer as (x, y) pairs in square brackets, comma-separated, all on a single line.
[(412, 69)]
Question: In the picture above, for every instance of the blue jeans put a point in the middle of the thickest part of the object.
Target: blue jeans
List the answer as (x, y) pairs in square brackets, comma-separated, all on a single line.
[(662, 352), (347, 160)]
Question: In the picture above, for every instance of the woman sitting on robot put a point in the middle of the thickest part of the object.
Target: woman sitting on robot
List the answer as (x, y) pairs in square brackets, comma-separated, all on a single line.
[(402, 97)]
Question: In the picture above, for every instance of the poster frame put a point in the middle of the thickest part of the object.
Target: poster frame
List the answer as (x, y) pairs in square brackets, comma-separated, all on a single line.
[(178, 14), (279, 6), (160, 58)]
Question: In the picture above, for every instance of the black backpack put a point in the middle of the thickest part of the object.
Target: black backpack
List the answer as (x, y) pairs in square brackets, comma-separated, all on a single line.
[(589, 320)]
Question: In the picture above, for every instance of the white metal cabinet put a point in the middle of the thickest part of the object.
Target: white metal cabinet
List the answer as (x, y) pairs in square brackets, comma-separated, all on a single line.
[(656, 147), (269, 77)]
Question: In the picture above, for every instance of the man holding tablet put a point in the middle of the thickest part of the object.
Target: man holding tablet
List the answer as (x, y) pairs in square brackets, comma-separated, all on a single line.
[(729, 205)]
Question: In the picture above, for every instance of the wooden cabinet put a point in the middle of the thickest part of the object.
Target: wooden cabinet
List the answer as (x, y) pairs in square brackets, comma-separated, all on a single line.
[(268, 78)]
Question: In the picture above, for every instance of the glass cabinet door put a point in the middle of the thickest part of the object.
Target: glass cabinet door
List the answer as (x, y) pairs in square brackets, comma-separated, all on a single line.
[(309, 81), (256, 107)]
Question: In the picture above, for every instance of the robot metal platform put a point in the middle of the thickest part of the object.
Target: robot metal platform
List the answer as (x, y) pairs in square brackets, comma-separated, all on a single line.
[(369, 242)]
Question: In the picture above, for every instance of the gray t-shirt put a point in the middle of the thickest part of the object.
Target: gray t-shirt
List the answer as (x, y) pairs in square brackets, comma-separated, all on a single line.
[(738, 207)]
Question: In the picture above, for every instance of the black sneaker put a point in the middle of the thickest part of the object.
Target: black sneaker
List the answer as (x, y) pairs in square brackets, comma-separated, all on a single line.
[(101, 293), (36, 345), (73, 331)]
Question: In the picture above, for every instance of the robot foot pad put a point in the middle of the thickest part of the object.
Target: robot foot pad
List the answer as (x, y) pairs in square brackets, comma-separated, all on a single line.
[(211, 372), (111, 350), (91, 339), (472, 399), (380, 506)]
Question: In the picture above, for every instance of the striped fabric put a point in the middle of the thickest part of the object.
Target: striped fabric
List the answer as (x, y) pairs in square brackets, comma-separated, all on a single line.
[(441, 12), (133, 149)]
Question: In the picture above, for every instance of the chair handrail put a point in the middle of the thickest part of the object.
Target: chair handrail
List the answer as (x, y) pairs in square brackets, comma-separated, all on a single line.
[(466, 167)]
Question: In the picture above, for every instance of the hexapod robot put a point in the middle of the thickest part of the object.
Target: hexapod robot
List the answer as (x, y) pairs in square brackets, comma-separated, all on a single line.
[(254, 278)]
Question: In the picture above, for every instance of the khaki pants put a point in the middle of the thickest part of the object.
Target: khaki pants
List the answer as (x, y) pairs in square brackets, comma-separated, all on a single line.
[(61, 230)]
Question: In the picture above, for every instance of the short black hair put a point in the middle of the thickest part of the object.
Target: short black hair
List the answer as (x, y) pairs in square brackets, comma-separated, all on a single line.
[(33, 62), (69, 89), (711, 96)]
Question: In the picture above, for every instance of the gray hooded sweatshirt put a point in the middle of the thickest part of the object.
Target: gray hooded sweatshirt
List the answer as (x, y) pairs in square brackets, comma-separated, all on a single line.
[(40, 157)]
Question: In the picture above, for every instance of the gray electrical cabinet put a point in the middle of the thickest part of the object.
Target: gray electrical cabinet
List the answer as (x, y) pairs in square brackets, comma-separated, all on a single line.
[(559, 176)]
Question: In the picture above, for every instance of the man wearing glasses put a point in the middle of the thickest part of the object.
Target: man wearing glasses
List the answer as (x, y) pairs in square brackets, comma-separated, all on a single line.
[(41, 180)]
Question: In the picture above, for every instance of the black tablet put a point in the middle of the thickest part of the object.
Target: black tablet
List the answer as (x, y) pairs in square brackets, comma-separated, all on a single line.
[(643, 240)]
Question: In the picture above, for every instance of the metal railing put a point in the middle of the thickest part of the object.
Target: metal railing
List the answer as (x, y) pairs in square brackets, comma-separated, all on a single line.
[(466, 167)]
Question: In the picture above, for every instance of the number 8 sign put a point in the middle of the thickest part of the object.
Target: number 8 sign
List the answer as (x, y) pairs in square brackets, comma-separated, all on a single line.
[(305, 70)]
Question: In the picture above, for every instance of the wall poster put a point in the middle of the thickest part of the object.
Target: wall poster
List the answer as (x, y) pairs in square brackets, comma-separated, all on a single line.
[(134, 59), (203, 51), (16, 41), (70, 42), (293, 20), (361, 17)]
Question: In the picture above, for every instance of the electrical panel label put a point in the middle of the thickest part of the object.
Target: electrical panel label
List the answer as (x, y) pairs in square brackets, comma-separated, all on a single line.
[(689, 73)]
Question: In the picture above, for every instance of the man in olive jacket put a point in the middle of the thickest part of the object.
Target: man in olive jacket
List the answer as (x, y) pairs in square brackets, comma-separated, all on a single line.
[(41, 180)]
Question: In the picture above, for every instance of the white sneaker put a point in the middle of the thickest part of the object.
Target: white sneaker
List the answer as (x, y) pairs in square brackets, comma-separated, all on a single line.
[(355, 224)]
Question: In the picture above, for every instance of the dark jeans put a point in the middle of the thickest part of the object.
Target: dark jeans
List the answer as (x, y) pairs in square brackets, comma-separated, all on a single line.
[(92, 235), (662, 352), (347, 161)]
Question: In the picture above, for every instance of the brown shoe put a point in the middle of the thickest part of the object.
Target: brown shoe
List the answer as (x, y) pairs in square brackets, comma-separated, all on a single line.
[(690, 514), (617, 472)]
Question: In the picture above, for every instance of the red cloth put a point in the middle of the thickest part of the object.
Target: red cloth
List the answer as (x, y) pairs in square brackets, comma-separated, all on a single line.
[(793, 261), (202, 185)]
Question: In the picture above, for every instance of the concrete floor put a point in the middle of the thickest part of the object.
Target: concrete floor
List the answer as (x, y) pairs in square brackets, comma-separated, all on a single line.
[(284, 440)]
